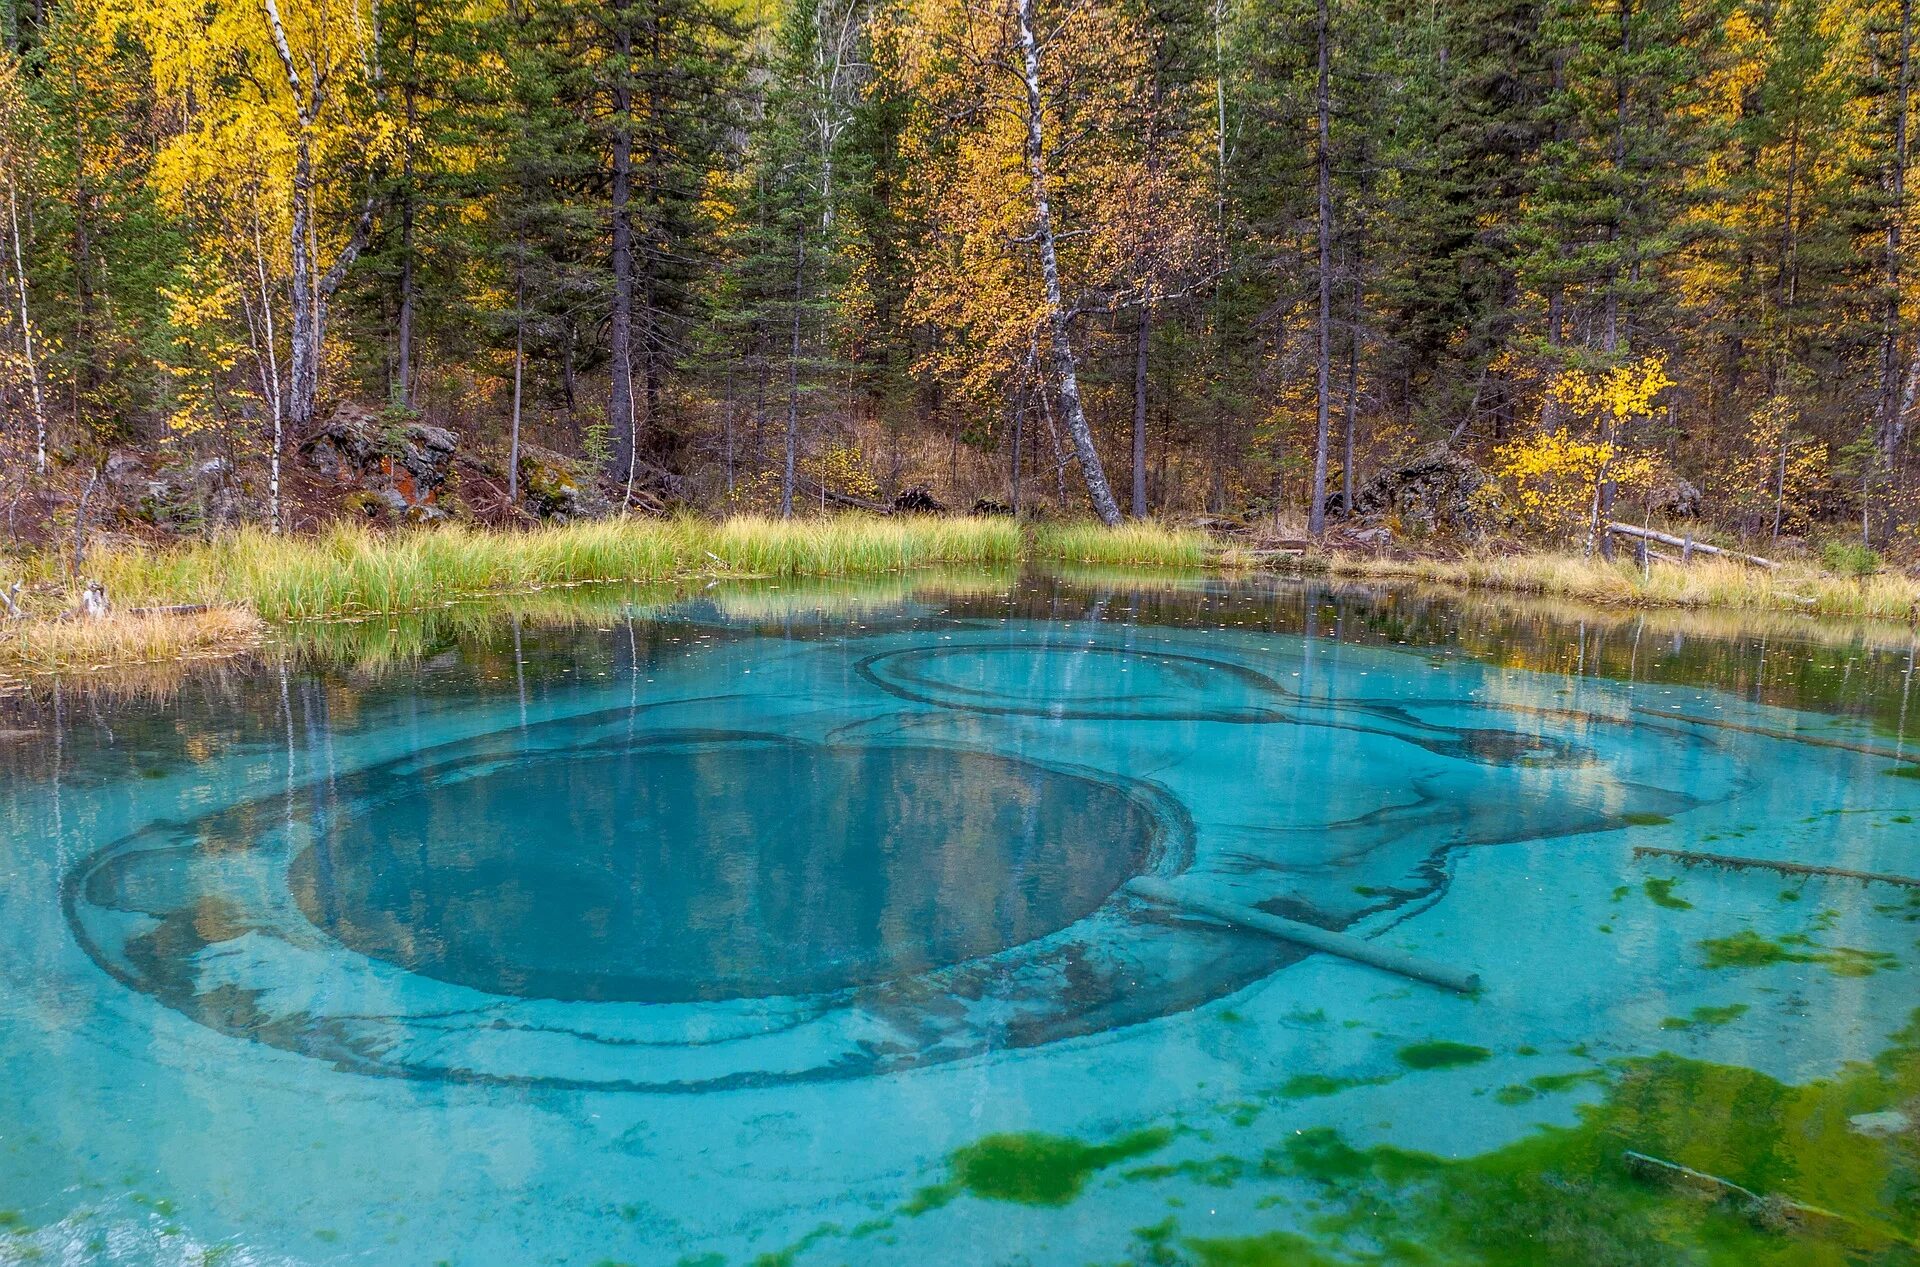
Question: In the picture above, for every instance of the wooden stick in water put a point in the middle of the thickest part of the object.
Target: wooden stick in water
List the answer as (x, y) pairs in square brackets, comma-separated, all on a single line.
[(1692, 857), (1307, 935)]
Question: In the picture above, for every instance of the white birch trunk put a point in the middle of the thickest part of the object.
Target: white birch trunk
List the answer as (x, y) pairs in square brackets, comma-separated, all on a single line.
[(1098, 490), (26, 332)]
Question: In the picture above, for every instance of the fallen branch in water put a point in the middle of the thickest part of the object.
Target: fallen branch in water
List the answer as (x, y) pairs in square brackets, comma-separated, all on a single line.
[(1771, 1211), (1692, 857)]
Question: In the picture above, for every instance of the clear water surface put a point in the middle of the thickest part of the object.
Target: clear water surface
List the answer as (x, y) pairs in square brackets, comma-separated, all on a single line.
[(792, 925)]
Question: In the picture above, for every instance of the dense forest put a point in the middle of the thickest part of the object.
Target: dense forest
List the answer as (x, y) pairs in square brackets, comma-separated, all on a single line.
[(1133, 256)]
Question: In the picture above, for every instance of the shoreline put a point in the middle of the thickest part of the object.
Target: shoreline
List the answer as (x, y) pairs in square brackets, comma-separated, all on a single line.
[(249, 583)]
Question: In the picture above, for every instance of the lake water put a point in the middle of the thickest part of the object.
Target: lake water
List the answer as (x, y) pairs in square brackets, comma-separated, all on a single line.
[(791, 924)]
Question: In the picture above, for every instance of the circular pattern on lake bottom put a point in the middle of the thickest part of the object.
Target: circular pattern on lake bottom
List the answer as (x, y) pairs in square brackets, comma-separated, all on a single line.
[(675, 872), (611, 901)]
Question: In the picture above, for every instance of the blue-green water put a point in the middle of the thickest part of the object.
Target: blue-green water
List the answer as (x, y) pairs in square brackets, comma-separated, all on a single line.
[(794, 927)]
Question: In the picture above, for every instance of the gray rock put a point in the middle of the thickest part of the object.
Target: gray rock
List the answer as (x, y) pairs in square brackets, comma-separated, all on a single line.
[(1881, 1125), (1435, 491), (553, 489), (1678, 500)]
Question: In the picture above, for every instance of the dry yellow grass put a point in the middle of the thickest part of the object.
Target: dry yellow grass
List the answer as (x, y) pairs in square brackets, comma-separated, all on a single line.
[(1707, 582), (34, 646)]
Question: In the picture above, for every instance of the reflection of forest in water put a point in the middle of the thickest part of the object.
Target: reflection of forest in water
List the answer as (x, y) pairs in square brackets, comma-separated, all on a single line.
[(322, 675), (795, 867)]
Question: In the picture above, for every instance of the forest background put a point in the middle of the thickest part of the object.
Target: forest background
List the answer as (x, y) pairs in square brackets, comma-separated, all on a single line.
[(1637, 258)]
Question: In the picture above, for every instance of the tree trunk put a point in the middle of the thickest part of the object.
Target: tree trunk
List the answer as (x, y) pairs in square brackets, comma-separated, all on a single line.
[(1780, 482), (519, 364), (403, 395), (87, 370), (404, 352), (269, 363), (1353, 398), (303, 366), (1317, 514), (1142, 341), (789, 470), (310, 289), (1892, 420), (1057, 317), (1019, 426), (620, 404), (26, 330)]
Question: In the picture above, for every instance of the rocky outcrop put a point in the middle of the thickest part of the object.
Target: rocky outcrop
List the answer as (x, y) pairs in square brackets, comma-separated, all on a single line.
[(551, 487), (182, 495), (1679, 500), (397, 469), (1438, 491)]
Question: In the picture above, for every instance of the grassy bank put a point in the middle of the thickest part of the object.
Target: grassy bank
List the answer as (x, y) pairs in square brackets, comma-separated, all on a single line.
[(1706, 583), (350, 571)]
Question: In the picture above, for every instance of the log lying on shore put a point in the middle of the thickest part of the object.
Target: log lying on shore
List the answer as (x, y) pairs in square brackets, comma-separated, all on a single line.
[(1383, 957), (1688, 546), (172, 609), (1693, 857)]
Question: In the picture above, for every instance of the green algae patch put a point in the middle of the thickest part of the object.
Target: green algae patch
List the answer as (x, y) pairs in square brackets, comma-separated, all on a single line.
[(1441, 1054), (1643, 819), (1905, 771), (1566, 1197), (1748, 949), (1031, 1168), (1707, 1015), (1275, 1249), (1660, 893), (1308, 1086)]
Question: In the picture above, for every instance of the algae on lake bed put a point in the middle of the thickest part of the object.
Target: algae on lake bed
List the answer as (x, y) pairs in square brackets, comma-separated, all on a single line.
[(1748, 949), (1033, 1168), (1441, 1054), (1565, 1197)]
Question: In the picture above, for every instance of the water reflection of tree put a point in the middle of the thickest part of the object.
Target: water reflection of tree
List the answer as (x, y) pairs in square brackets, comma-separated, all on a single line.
[(187, 712)]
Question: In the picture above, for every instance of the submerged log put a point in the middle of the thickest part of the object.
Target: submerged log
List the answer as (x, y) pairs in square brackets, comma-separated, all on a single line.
[(1384, 957), (1693, 857)]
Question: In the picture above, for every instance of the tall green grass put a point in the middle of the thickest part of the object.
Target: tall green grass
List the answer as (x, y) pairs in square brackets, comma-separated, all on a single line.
[(351, 570), (1134, 542)]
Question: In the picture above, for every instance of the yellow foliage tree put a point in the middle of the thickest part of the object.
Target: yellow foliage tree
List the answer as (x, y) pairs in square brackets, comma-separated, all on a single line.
[(1556, 476), (280, 122)]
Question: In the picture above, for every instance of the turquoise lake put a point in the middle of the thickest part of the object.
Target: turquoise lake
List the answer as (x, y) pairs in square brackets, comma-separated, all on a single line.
[(791, 925)]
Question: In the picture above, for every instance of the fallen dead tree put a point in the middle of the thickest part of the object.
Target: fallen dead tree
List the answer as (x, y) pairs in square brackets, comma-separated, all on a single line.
[(1687, 546)]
